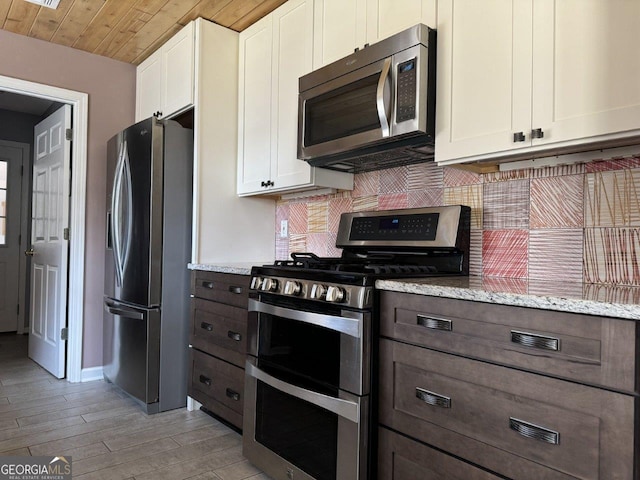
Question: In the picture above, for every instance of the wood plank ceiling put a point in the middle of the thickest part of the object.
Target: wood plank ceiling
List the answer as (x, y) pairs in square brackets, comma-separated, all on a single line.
[(126, 30)]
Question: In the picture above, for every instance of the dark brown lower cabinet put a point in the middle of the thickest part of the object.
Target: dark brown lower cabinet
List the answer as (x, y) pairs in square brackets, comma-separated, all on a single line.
[(402, 458)]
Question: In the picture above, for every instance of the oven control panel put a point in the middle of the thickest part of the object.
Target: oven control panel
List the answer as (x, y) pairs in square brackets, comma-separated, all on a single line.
[(355, 296)]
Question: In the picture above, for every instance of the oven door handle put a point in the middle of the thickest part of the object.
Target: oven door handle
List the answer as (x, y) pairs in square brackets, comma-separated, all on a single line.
[(342, 408), (348, 326)]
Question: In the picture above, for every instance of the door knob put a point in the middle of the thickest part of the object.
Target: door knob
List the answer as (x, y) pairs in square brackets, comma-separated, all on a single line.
[(30, 252)]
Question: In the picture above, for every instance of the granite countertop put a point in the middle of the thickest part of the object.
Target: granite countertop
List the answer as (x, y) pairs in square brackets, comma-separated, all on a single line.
[(605, 300), (238, 268)]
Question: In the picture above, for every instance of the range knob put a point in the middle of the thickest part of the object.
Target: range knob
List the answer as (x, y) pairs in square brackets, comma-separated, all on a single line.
[(256, 283), (318, 291), (269, 285), (335, 294), (292, 288)]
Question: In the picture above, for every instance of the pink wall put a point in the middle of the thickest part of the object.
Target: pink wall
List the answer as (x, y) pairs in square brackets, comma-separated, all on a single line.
[(578, 223), (111, 88)]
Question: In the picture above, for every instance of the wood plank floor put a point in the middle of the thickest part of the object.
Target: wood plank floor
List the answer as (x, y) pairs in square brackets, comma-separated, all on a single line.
[(106, 433)]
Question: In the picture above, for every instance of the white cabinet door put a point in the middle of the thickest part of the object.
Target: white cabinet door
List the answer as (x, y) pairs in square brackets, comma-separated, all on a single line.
[(483, 78), (292, 54), (254, 116), (178, 71), (388, 17), (339, 27), (148, 87), (586, 70)]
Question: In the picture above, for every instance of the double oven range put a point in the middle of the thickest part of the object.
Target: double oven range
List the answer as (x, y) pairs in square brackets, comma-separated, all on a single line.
[(310, 391)]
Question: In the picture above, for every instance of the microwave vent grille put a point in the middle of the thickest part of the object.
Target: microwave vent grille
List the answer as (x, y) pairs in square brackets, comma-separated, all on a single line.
[(397, 157)]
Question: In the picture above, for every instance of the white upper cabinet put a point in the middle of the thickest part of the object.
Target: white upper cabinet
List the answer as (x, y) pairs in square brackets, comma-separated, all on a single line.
[(165, 80), (274, 53), (518, 79), (341, 26)]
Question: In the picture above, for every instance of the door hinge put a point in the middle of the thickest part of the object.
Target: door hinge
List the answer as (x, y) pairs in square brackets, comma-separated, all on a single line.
[(64, 334), (69, 133), (65, 233)]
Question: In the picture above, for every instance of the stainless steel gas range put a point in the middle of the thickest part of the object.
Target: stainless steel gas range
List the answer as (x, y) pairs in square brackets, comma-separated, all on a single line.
[(310, 392)]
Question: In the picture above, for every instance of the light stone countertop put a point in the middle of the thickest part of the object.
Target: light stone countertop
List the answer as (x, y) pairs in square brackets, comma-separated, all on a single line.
[(238, 268), (592, 299)]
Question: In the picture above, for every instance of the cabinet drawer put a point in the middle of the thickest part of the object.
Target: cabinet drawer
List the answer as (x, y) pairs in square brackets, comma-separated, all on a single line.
[(219, 329), (487, 414), (585, 348), (221, 287), (400, 458), (218, 385)]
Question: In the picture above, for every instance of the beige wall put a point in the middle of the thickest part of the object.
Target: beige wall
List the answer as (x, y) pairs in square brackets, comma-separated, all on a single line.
[(111, 88)]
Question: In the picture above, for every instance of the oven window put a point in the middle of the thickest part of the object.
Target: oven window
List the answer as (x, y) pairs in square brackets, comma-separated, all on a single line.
[(300, 353), (342, 112), (298, 431)]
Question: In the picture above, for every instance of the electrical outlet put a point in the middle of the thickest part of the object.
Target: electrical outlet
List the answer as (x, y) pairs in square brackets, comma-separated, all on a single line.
[(284, 229)]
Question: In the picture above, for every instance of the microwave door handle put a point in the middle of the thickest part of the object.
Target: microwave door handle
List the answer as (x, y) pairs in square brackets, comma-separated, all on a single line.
[(380, 103)]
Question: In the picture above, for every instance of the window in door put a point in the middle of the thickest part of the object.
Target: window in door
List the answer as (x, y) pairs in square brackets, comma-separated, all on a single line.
[(3, 202)]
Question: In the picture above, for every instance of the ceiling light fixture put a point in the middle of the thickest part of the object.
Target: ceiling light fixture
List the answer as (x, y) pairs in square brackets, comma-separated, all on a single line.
[(46, 3)]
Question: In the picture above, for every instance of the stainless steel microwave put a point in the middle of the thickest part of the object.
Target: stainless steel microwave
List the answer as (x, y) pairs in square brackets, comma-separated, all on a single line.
[(372, 109)]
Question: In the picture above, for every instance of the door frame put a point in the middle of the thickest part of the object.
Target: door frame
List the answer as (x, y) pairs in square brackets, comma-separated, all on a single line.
[(75, 288), (25, 148)]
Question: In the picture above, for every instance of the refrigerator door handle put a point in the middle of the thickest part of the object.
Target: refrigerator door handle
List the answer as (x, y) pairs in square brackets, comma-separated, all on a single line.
[(123, 311), (121, 212), (115, 210)]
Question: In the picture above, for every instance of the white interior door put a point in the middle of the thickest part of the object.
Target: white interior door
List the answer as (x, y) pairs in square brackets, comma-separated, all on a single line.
[(10, 209), (49, 219)]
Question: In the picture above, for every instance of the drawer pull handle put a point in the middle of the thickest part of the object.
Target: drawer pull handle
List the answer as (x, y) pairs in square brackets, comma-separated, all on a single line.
[(205, 380), (432, 398), (208, 285), (234, 335), (435, 323), (236, 290), (206, 326), (536, 432), (233, 395), (535, 341)]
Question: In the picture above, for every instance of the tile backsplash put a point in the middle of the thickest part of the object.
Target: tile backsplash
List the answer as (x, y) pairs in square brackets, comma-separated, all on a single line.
[(575, 223)]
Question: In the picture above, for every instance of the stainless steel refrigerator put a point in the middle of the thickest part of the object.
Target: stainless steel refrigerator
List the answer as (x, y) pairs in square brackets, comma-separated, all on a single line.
[(148, 245)]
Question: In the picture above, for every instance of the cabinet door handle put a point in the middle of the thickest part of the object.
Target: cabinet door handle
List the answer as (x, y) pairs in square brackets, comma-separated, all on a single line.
[(205, 380), (206, 326), (536, 432), (535, 341), (236, 290), (519, 137), (234, 335), (435, 323), (208, 285), (537, 133), (432, 398), (233, 395)]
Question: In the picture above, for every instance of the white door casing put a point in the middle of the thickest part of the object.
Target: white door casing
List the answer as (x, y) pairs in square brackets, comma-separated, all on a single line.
[(80, 104), (49, 242), (11, 165)]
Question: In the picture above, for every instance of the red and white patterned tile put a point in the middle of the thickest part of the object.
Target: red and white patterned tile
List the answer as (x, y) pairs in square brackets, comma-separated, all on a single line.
[(430, 197), (505, 253), (557, 202), (366, 184), (337, 207), (612, 198), (297, 218), (611, 256), (318, 243), (282, 248), (559, 170), (504, 284), (365, 204), (614, 164), (332, 250), (506, 176), (470, 195), (424, 176), (556, 254), (506, 205), (456, 177), (282, 213), (317, 216), (297, 242), (611, 293), (392, 201), (475, 253), (393, 180)]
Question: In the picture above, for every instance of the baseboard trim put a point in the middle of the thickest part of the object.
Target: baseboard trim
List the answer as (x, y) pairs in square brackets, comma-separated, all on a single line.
[(91, 374)]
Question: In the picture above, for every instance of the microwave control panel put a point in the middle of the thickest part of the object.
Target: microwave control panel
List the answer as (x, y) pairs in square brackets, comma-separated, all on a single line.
[(406, 91)]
